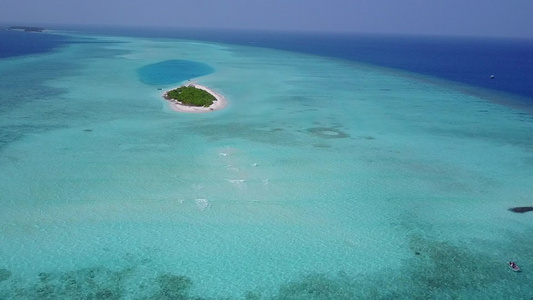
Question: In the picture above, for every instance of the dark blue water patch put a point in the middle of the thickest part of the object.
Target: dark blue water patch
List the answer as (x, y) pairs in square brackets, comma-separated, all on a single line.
[(172, 71), (17, 43), (13, 133), (24, 84)]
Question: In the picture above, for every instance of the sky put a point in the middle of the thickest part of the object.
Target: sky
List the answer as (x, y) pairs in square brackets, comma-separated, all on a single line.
[(503, 18)]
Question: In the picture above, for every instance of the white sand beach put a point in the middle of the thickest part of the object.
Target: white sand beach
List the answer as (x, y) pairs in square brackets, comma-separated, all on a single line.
[(218, 104)]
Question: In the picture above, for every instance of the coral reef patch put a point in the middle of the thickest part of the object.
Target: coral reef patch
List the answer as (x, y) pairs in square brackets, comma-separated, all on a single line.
[(4, 274), (436, 270)]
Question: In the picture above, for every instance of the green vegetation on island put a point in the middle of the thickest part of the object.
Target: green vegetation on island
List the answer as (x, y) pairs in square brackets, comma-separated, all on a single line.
[(190, 95)]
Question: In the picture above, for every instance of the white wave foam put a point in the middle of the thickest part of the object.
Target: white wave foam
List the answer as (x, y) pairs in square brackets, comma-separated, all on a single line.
[(232, 168), (236, 181), (202, 204)]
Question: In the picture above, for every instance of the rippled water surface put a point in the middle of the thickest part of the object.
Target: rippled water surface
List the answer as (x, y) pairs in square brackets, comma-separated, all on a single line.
[(322, 179)]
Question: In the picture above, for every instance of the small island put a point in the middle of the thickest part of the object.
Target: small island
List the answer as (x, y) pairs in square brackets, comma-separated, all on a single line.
[(26, 28), (194, 98)]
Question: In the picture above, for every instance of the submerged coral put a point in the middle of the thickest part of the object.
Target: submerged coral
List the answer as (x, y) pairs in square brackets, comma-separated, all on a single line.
[(4, 274), (436, 270), (317, 286), (173, 287)]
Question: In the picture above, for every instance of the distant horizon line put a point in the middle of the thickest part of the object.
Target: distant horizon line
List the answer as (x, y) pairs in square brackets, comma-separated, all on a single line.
[(65, 26)]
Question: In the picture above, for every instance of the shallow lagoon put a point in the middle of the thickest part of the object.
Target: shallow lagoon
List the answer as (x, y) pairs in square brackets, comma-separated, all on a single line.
[(322, 179)]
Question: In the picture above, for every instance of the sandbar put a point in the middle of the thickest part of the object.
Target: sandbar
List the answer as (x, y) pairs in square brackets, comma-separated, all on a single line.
[(219, 102)]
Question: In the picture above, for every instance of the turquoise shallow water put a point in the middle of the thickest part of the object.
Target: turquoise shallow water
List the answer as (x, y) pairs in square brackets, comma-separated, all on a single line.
[(322, 179)]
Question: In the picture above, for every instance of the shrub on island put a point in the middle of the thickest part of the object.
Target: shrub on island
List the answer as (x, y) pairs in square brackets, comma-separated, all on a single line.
[(190, 95)]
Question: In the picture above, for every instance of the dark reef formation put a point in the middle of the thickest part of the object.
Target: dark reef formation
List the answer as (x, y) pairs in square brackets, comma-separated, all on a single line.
[(521, 209), (4, 274), (435, 271)]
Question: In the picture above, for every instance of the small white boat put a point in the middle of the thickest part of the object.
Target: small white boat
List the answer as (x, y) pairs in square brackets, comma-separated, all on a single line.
[(514, 266)]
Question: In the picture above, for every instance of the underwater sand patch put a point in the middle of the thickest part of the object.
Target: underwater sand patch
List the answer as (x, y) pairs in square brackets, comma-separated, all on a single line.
[(328, 132)]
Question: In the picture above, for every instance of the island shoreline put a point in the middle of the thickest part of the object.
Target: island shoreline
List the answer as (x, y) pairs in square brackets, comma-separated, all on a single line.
[(219, 103)]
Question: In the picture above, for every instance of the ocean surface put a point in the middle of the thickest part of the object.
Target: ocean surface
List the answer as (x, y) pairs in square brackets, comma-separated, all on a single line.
[(470, 61), (344, 167)]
